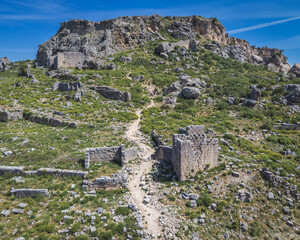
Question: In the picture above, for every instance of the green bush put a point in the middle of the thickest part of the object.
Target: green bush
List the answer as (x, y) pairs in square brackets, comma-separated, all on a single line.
[(205, 200), (123, 211)]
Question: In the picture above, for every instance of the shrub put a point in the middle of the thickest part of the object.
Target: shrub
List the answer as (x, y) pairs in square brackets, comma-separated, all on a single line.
[(123, 211), (205, 200)]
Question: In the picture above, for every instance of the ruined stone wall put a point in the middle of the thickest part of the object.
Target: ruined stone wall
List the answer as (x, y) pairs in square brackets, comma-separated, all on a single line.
[(69, 86), (16, 170), (49, 121), (68, 59), (8, 115), (61, 172), (112, 93), (163, 153), (118, 180), (127, 155), (106, 154), (28, 192)]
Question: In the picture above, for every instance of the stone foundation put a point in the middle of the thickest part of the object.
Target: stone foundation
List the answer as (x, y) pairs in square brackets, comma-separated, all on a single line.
[(118, 180), (61, 172), (28, 192), (11, 170), (69, 86), (49, 121)]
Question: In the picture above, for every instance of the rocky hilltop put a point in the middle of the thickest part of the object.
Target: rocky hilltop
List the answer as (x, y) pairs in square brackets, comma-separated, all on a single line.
[(80, 43)]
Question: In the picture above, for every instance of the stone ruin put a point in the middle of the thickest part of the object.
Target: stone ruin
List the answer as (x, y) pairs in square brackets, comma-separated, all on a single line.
[(112, 93), (106, 154), (68, 59), (29, 192), (8, 115), (192, 150), (68, 86)]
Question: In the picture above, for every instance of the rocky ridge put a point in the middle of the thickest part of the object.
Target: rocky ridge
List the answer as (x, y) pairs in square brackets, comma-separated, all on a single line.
[(76, 44)]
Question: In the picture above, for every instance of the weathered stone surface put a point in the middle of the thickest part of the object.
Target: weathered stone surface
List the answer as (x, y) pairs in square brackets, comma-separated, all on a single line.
[(48, 120), (190, 93), (68, 86), (18, 211), (250, 103), (293, 98), (11, 170), (112, 93), (278, 181), (288, 126), (118, 180), (29, 192), (192, 150), (68, 59), (4, 64), (163, 152), (81, 43), (295, 70), (163, 48), (61, 172), (106, 154), (5, 213), (11, 114), (255, 93)]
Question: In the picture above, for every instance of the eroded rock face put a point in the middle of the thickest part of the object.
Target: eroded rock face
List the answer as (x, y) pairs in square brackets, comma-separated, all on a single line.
[(78, 41), (293, 98), (190, 93), (4, 64), (81, 43), (295, 70), (241, 50)]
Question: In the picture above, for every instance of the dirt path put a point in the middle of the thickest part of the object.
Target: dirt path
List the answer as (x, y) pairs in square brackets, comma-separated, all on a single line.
[(151, 215)]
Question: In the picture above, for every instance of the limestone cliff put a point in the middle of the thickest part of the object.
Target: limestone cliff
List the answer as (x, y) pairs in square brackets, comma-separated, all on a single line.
[(77, 42)]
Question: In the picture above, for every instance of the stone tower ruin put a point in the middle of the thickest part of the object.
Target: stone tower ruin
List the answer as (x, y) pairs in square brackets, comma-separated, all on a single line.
[(192, 150)]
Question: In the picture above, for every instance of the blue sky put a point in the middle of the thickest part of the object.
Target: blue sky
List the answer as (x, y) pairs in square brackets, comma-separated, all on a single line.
[(26, 23)]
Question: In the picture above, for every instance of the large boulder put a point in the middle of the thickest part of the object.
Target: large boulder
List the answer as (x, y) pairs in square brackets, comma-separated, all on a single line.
[(255, 93), (295, 70), (190, 92), (4, 64), (293, 98), (163, 48)]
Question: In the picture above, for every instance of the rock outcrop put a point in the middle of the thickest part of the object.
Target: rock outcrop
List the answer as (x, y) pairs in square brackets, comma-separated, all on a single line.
[(11, 114), (112, 93), (81, 43), (4, 64), (295, 70)]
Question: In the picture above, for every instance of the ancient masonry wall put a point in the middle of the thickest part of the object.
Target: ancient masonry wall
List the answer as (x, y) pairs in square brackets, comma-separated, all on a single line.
[(191, 151), (106, 154), (68, 59), (163, 153), (112, 93), (28, 192)]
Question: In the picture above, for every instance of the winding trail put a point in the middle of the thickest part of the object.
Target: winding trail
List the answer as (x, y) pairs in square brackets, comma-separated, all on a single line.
[(150, 213)]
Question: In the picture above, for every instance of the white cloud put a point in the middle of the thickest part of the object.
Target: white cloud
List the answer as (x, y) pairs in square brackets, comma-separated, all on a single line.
[(263, 25)]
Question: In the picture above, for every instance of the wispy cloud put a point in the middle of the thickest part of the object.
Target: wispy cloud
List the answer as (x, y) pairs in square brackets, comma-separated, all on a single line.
[(16, 50), (263, 25), (287, 44)]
